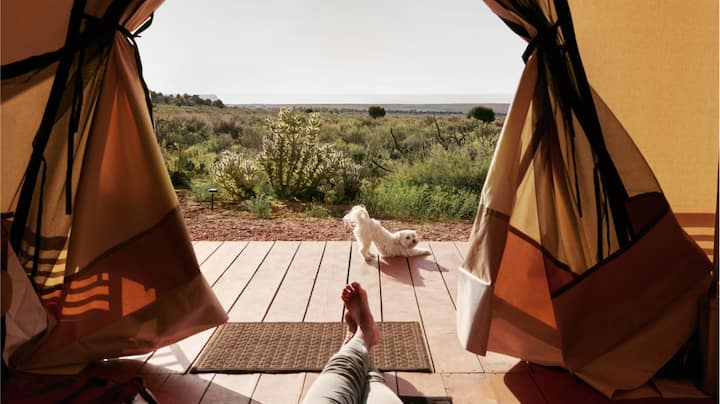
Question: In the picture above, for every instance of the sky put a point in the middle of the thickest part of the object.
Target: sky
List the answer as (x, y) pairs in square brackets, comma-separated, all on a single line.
[(332, 51)]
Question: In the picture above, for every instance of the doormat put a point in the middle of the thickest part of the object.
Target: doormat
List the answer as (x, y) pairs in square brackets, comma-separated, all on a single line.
[(306, 347)]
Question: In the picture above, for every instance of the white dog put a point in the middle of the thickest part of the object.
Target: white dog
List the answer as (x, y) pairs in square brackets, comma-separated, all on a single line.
[(367, 230)]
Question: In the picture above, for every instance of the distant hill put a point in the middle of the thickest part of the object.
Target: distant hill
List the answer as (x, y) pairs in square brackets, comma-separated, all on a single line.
[(209, 97), (500, 109), (186, 100)]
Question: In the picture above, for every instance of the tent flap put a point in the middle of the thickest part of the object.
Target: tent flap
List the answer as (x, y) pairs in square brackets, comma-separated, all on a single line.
[(98, 226), (594, 263)]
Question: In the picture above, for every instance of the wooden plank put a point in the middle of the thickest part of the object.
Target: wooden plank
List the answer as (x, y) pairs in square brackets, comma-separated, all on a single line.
[(203, 249), (396, 288), (235, 279), (398, 299), (254, 301), (154, 381), (368, 275), (391, 381), (182, 389), (279, 388), (449, 260), (462, 247), (467, 388), (178, 357), (438, 314), (229, 388), (293, 296), (309, 380), (515, 388), (420, 384), (220, 260), (494, 362), (325, 303)]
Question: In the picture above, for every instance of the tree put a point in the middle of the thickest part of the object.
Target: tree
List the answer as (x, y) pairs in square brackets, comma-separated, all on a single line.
[(376, 112), (481, 114)]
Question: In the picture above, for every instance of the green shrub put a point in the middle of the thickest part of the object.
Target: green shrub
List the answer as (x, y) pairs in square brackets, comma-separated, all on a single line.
[(180, 179), (459, 167), (317, 211), (236, 174), (408, 201), (200, 190), (481, 113), (259, 206), (376, 112), (296, 163)]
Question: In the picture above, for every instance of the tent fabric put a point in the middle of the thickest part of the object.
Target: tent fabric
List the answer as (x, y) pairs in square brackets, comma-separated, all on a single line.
[(576, 257), (97, 225)]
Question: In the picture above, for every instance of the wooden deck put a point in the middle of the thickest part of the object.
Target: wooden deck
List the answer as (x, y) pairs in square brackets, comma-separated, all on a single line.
[(301, 281)]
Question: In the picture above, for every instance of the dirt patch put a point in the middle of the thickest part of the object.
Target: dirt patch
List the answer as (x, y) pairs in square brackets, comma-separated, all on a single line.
[(227, 222)]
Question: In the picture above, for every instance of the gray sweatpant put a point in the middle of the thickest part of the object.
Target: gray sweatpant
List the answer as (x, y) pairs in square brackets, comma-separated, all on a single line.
[(350, 377)]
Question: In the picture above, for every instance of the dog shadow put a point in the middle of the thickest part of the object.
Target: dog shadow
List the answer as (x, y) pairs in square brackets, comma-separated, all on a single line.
[(409, 270)]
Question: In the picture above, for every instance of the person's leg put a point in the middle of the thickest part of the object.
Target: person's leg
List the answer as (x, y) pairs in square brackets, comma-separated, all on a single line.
[(377, 391), (344, 378)]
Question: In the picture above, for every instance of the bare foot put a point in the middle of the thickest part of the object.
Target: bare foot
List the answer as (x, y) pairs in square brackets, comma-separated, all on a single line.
[(351, 327), (355, 299)]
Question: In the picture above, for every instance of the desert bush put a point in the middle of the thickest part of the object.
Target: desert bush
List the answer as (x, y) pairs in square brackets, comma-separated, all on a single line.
[(180, 179), (200, 190), (408, 201), (296, 163), (481, 113), (260, 206), (237, 174), (376, 112), (459, 167), (317, 211)]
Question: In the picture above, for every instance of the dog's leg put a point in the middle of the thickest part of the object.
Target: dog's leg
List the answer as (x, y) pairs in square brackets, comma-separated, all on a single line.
[(417, 251), (365, 250)]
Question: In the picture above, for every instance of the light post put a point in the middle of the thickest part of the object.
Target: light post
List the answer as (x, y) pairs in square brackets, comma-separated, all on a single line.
[(212, 197)]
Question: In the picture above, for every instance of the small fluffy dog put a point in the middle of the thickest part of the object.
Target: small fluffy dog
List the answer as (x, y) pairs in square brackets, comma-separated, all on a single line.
[(368, 230)]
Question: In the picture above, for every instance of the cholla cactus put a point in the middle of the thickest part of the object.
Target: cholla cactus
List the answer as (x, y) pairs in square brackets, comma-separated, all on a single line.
[(236, 174), (295, 162)]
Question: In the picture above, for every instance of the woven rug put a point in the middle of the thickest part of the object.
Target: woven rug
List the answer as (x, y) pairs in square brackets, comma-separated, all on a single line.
[(306, 347)]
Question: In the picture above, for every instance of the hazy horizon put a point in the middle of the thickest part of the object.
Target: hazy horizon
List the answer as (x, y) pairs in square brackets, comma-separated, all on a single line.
[(381, 99), (323, 51)]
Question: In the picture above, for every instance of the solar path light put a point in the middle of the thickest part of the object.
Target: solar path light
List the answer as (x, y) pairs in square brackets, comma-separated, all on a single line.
[(212, 191)]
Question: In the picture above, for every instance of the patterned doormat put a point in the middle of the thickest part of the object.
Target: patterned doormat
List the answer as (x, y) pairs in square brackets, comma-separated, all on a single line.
[(306, 347)]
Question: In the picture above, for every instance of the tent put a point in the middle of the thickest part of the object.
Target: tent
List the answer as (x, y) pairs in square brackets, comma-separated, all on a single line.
[(100, 264), (578, 257)]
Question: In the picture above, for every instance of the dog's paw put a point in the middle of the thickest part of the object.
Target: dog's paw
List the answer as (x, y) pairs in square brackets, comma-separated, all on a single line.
[(369, 257)]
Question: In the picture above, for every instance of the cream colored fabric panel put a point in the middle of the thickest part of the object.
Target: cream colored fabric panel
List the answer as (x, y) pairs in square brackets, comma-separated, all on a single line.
[(138, 17), (124, 188), (20, 120), (655, 63), (504, 173), (526, 218)]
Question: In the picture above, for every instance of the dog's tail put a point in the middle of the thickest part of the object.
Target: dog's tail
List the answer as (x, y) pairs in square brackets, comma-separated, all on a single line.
[(357, 214)]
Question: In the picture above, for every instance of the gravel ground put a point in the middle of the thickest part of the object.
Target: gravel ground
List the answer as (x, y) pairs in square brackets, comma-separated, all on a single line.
[(232, 223)]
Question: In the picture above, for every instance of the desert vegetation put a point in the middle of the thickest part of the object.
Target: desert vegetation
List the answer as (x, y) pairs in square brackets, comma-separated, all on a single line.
[(403, 166)]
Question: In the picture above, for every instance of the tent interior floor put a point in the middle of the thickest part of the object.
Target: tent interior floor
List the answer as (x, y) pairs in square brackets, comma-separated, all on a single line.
[(301, 281)]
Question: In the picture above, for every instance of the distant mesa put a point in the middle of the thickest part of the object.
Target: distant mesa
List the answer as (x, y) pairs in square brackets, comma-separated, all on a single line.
[(209, 97)]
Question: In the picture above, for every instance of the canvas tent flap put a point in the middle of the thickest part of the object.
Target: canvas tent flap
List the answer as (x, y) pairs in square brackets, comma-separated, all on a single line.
[(586, 259), (104, 240), (25, 317)]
